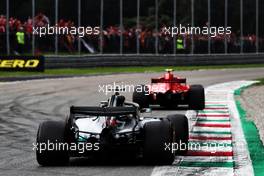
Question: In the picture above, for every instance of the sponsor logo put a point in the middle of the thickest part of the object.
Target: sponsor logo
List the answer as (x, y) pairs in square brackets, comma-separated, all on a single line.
[(18, 63), (22, 63)]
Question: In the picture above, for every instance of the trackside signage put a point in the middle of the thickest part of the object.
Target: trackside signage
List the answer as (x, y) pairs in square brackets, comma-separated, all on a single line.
[(22, 63)]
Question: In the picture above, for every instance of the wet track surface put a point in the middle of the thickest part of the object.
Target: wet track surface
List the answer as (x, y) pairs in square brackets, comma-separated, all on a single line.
[(23, 105)]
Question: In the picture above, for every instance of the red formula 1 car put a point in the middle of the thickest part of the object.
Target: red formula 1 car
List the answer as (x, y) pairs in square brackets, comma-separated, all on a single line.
[(169, 91)]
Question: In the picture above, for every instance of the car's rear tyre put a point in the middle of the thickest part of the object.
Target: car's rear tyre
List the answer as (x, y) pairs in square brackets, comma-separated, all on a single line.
[(181, 132), (196, 97), (52, 133), (157, 135), (140, 96)]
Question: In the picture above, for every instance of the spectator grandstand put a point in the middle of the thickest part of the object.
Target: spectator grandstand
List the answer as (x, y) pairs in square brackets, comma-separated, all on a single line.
[(111, 39)]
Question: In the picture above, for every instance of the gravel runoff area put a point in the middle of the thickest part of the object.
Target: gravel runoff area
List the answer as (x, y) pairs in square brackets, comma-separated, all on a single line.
[(252, 100)]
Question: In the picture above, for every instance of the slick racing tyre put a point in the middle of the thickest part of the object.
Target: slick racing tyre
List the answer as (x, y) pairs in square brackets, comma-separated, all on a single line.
[(158, 134), (52, 133), (181, 135), (140, 96), (196, 97)]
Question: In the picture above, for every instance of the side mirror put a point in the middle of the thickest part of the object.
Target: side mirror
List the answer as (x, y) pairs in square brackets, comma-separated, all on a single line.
[(146, 110)]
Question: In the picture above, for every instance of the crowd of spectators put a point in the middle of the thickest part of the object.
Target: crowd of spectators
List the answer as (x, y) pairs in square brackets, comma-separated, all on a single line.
[(111, 39), (147, 41)]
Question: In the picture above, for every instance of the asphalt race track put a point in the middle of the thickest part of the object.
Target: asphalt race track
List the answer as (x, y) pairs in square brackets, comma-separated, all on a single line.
[(23, 105)]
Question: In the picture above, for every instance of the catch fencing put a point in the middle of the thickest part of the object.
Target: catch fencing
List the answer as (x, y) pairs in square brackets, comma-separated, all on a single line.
[(131, 31)]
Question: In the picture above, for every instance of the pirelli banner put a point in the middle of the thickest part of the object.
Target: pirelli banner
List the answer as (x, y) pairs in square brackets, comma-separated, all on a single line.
[(22, 63)]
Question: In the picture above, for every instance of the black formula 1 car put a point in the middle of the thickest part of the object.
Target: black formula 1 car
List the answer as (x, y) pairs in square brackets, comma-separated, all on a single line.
[(114, 127)]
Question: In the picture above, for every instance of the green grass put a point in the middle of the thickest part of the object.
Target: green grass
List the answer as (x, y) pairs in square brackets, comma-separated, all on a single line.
[(254, 143), (260, 83), (111, 70)]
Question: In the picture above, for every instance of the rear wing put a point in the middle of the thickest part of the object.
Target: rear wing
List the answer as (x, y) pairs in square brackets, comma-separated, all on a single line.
[(103, 111), (174, 80)]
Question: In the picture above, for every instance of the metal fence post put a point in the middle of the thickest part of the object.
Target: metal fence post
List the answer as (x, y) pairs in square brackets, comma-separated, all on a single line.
[(241, 27), (226, 23), (101, 25), (121, 27), (137, 30), (174, 25), (79, 24), (209, 25), (156, 27), (33, 25), (257, 26), (56, 22), (192, 21), (7, 29)]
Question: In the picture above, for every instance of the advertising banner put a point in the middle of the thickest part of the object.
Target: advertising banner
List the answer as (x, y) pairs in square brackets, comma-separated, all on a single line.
[(22, 63)]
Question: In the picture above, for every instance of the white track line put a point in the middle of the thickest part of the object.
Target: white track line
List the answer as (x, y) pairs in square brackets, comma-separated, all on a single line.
[(208, 159), (197, 128), (241, 154)]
